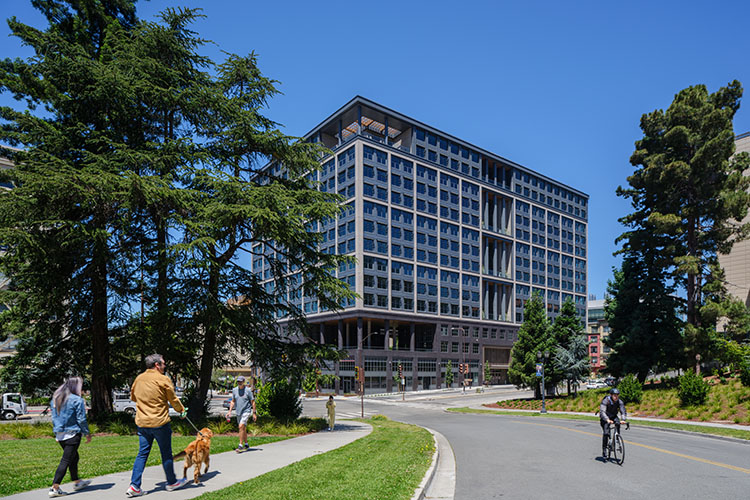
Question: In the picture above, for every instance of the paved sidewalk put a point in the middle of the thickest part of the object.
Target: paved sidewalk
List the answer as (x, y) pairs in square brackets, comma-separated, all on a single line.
[(225, 469)]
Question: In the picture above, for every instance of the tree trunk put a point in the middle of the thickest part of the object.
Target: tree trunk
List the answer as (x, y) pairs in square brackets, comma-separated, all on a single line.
[(101, 396), (209, 346)]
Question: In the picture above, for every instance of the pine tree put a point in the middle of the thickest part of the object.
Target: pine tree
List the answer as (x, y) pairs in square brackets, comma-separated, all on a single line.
[(688, 192), (534, 337), (566, 328), (145, 184), (642, 316)]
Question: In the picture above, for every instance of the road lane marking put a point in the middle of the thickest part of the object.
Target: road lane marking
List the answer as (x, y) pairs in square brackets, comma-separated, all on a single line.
[(653, 448)]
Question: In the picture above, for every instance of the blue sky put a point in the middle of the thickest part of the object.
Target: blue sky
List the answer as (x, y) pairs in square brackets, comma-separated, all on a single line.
[(556, 86)]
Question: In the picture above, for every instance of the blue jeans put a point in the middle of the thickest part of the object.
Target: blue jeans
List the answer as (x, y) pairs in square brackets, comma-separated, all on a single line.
[(146, 436)]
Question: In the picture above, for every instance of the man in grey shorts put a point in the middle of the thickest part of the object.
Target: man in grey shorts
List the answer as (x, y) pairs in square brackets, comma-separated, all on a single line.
[(242, 398)]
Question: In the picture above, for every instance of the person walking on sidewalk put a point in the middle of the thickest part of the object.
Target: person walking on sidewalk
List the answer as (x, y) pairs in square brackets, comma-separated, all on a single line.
[(331, 407), (152, 392), (69, 425), (243, 399)]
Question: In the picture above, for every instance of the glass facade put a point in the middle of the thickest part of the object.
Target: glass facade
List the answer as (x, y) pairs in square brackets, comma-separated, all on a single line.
[(441, 232)]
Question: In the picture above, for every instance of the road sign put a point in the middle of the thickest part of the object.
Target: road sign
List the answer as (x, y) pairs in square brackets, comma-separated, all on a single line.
[(538, 369)]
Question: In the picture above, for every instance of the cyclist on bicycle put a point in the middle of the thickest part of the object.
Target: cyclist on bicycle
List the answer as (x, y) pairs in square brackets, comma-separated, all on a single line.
[(608, 410)]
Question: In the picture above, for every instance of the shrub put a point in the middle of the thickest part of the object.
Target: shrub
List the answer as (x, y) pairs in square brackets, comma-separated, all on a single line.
[(631, 390), (693, 389), (745, 373), (278, 399), (221, 427)]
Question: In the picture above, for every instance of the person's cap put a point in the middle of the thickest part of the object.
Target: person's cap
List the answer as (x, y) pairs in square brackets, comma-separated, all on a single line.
[(240, 379), (614, 391)]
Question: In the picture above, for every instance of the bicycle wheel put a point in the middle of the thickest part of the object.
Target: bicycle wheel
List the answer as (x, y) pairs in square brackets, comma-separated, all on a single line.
[(619, 447)]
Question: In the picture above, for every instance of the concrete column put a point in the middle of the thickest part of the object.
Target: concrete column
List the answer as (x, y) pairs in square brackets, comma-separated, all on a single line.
[(504, 215), (497, 301), (496, 259), (486, 213), (387, 327), (321, 330), (412, 337), (337, 383), (359, 335), (503, 257), (504, 302), (495, 214), (486, 301), (438, 378), (486, 252), (389, 373), (414, 373)]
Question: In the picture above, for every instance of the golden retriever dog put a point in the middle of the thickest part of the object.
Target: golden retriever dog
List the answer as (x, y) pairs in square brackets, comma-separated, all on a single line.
[(196, 453)]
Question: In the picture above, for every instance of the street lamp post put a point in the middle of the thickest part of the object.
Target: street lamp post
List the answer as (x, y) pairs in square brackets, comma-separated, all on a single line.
[(539, 356)]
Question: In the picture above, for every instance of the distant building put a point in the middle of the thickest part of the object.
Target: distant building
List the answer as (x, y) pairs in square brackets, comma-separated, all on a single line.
[(450, 242), (597, 330), (737, 263)]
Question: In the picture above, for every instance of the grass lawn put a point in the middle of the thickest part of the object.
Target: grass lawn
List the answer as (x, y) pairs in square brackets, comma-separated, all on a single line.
[(29, 464), (717, 431), (388, 463)]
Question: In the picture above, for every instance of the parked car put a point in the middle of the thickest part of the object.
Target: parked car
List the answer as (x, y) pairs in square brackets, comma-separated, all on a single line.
[(610, 381), (227, 402), (14, 405), (595, 384), (121, 403)]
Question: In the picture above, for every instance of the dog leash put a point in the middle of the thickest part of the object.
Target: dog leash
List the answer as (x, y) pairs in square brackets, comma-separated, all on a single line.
[(194, 427)]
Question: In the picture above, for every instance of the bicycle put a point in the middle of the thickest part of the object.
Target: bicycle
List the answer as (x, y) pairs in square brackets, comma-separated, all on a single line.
[(616, 445)]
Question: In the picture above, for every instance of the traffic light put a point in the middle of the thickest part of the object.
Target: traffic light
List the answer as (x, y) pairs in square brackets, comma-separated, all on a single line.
[(356, 373), (400, 371)]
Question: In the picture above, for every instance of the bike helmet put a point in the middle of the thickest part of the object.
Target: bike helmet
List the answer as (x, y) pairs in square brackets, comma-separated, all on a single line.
[(614, 391)]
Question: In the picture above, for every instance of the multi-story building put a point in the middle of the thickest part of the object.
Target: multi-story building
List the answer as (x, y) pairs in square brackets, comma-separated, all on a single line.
[(450, 242), (597, 330), (736, 264)]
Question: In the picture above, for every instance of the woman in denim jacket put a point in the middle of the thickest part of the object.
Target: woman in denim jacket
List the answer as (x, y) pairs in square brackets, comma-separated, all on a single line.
[(69, 424)]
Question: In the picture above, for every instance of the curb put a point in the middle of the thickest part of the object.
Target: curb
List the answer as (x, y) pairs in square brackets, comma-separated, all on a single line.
[(635, 420), (430, 474)]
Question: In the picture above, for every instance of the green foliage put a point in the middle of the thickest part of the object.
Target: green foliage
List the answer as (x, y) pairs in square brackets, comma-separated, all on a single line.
[(144, 161), (642, 315), (745, 373), (278, 399), (449, 373), (693, 389), (487, 372), (687, 193), (570, 360), (534, 336), (631, 389)]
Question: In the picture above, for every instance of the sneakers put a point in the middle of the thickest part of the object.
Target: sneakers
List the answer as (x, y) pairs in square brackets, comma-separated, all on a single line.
[(239, 448), (246, 446), (56, 492), (81, 484), (179, 484), (133, 492), (604, 454)]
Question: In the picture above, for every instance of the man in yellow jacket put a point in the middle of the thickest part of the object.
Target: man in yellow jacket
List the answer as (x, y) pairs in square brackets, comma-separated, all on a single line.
[(152, 392)]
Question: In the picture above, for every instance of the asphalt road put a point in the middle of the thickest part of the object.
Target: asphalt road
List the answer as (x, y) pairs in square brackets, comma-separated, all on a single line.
[(538, 458)]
